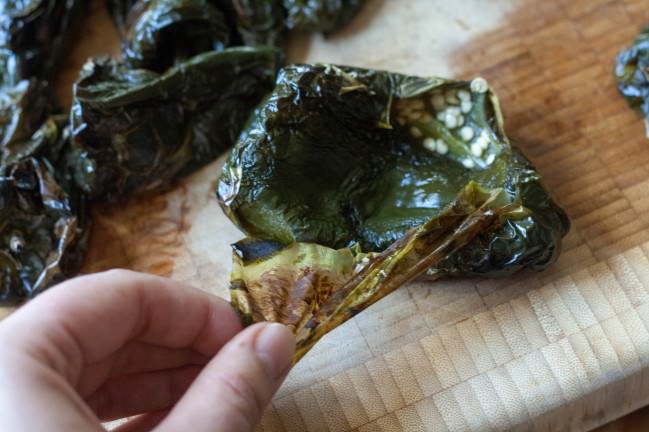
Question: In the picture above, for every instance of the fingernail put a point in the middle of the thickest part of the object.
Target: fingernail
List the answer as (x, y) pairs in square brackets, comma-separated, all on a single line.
[(274, 347)]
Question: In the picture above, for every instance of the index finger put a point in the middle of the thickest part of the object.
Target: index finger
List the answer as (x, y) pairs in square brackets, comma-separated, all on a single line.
[(86, 319)]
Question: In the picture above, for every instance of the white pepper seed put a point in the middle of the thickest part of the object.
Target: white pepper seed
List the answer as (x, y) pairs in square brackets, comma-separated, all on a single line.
[(468, 163), (16, 243), (476, 149), (479, 85), (464, 95), (441, 146), (450, 120), (466, 133), (430, 144)]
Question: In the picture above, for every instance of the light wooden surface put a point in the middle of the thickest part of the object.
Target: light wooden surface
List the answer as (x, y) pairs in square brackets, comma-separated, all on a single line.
[(565, 349)]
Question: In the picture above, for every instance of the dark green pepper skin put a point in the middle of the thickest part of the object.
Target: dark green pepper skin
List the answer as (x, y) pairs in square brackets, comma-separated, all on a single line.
[(23, 109), (136, 130), (43, 235), (24, 106), (331, 158), (320, 16), (264, 22), (39, 32), (260, 22), (44, 229), (632, 73), (159, 33), (162, 33), (529, 239)]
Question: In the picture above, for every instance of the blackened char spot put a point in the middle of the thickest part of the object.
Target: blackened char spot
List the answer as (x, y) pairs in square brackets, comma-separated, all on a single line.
[(250, 250)]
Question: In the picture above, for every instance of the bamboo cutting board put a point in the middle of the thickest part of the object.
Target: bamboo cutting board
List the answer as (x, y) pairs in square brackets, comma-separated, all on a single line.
[(564, 349)]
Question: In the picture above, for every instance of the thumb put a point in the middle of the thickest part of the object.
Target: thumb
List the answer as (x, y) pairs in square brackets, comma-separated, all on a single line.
[(231, 393)]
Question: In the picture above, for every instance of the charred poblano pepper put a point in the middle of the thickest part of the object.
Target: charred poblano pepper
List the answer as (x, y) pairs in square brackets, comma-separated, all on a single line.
[(23, 109), (320, 16), (166, 32), (158, 33), (393, 175), (341, 155), (42, 225), (260, 22), (43, 235), (632, 74), (136, 130), (38, 32), (24, 106)]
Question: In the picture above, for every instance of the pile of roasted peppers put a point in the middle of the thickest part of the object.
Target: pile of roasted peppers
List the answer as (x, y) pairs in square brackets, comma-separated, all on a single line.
[(352, 182), (191, 73), (348, 182)]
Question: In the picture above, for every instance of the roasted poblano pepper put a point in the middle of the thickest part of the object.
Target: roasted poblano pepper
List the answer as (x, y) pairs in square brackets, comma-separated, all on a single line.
[(42, 225), (23, 109), (260, 22), (263, 22), (632, 74), (136, 130), (320, 16), (361, 180), (162, 33), (38, 31), (158, 33), (24, 105), (43, 236)]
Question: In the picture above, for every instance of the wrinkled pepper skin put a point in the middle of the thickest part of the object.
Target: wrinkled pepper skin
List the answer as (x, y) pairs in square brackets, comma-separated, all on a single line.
[(338, 156), (324, 16), (23, 109), (39, 32), (312, 288), (260, 22), (159, 33), (136, 130), (25, 103), (352, 182), (43, 225), (264, 22), (632, 73), (43, 233), (162, 33)]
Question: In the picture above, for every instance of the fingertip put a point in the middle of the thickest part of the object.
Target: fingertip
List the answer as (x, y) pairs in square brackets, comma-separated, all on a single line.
[(274, 346), (236, 386)]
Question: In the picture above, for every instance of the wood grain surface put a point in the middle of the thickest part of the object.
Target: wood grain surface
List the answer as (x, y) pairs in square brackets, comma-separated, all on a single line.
[(567, 349)]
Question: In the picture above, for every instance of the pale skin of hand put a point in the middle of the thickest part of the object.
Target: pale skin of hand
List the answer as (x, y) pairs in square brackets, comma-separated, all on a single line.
[(121, 344)]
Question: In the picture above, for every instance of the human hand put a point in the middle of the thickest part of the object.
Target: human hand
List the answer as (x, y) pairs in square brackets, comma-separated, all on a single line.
[(120, 344)]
